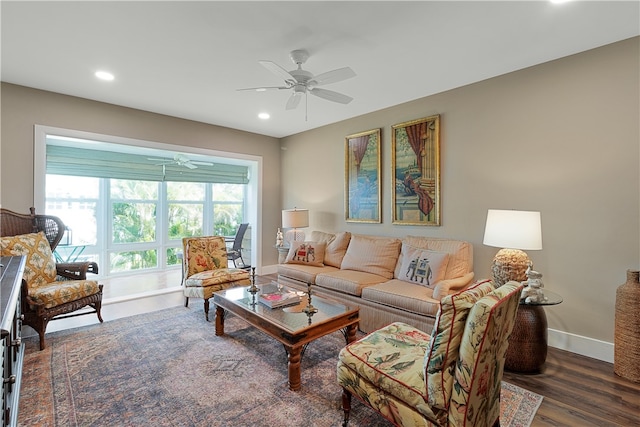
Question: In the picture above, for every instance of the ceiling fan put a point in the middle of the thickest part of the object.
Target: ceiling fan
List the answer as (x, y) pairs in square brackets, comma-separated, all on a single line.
[(304, 82), (180, 160)]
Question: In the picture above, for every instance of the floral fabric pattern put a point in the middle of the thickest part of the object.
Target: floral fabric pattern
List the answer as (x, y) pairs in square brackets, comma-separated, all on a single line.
[(205, 267), (440, 358), (203, 253), (385, 370), (475, 395)]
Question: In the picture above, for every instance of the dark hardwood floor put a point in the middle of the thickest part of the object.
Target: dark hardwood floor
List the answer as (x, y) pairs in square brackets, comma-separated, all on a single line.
[(580, 391)]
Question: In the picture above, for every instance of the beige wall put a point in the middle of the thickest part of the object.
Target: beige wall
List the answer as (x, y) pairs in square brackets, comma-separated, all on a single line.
[(22, 108), (561, 138)]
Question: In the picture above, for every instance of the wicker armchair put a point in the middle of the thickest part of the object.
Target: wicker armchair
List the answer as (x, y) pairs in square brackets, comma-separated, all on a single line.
[(51, 291)]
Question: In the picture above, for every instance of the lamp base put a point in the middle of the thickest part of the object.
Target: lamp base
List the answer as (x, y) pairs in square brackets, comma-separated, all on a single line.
[(294, 236), (509, 264)]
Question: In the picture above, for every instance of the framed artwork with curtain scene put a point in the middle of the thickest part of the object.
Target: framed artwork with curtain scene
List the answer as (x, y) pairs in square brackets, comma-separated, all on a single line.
[(362, 177), (415, 151)]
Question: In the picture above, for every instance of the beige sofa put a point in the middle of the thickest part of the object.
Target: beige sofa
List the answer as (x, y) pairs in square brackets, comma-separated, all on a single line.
[(390, 279)]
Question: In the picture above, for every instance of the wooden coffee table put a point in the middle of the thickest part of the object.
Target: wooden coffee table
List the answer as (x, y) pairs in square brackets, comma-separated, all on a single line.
[(289, 325)]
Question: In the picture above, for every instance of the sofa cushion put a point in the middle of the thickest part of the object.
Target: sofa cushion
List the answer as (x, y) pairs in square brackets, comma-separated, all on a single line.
[(303, 273), (336, 246), (348, 281), (310, 253), (404, 296), (377, 255), (460, 253), (40, 266), (443, 350), (422, 266)]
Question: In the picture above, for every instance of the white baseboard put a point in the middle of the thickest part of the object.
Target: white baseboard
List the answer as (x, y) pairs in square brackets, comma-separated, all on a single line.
[(585, 346), (269, 269)]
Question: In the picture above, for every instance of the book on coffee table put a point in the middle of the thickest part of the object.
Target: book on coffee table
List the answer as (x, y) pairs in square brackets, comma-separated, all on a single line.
[(279, 299)]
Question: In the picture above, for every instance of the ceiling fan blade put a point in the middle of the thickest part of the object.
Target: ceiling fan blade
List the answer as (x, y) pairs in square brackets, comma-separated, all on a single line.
[(263, 88), (189, 165), (294, 100), (278, 70), (331, 95), (333, 76)]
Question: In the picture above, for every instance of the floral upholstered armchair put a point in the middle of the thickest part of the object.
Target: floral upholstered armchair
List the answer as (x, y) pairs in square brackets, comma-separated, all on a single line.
[(205, 270), (449, 378)]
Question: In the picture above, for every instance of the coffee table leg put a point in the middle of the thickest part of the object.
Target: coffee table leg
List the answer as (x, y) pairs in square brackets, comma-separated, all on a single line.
[(219, 320), (351, 333), (294, 368)]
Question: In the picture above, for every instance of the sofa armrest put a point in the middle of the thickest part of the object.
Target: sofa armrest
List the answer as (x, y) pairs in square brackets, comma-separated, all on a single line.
[(446, 286)]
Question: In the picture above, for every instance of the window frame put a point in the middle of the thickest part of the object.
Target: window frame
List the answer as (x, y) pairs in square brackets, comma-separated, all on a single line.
[(252, 192)]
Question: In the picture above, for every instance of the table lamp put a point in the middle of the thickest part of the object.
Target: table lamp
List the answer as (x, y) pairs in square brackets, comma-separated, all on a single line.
[(293, 219), (513, 231)]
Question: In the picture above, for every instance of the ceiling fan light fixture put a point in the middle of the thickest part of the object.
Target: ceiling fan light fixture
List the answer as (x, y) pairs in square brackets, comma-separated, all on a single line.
[(264, 116)]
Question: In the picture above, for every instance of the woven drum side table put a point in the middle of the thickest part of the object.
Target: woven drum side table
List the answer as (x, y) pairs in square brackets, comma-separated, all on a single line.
[(527, 350)]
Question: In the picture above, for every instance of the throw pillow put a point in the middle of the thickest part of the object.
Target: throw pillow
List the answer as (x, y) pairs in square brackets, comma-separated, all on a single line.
[(376, 255), (40, 266), (309, 253), (422, 266), (336, 246), (444, 347)]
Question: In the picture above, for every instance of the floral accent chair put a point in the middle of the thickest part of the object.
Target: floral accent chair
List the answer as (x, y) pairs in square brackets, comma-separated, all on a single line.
[(44, 297), (449, 378), (205, 271)]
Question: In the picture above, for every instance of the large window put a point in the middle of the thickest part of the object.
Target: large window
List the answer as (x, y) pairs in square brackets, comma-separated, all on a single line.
[(128, 223)]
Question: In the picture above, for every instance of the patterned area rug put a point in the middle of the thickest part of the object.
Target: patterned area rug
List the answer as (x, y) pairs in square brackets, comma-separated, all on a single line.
[(168, 368)]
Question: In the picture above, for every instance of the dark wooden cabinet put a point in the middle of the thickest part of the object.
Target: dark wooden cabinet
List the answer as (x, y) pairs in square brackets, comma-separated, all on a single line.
[(12, 352)]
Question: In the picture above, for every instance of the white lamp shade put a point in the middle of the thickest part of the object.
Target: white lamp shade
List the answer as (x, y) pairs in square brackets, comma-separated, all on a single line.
[(295, 218), (513, 229)]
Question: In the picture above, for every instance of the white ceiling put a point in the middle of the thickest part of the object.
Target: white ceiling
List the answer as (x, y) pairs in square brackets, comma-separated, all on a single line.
[(186, 59)]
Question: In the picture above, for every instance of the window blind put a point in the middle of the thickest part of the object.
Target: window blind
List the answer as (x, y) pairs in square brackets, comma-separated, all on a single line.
[(75, 161)]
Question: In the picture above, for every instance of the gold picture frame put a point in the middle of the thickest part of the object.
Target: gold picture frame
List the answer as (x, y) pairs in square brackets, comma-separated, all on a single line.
[(415, 151), (362, 177)]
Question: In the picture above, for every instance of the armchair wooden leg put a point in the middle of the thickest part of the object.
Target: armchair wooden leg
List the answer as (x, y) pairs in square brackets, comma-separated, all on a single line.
[(98, 308), (346, 406), (41, 328), (206, 309), (186, 301)]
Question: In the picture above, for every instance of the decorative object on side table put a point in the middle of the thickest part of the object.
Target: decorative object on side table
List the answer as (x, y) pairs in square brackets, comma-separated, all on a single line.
[(527, 349), (626, 356), (513, 231), (279, 239), (533, 291)]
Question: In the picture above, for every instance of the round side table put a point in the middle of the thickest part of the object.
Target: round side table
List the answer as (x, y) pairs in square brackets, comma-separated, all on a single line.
[(527, 350), (282, 253)]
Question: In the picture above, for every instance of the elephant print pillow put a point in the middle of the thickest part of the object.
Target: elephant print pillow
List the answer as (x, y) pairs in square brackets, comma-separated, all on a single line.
[(423, 267), (309, 253)]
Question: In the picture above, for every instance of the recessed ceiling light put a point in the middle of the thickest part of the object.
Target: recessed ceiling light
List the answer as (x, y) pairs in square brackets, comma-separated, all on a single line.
[(264, 116), (104, 75)]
